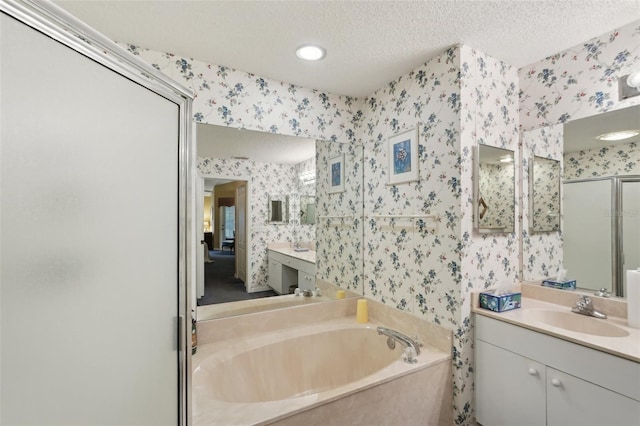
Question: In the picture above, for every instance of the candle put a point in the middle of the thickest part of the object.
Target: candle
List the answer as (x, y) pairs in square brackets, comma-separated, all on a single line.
[(362, 312)]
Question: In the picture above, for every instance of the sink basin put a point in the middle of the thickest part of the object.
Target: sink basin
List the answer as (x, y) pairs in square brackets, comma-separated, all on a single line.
[(574, 322)]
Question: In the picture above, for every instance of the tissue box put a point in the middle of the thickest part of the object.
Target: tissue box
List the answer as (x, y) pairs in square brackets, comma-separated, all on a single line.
[(504, 302), (563, 284)]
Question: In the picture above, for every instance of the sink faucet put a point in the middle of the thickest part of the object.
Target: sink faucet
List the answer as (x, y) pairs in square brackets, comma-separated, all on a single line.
[(584, 306), (412, 347)]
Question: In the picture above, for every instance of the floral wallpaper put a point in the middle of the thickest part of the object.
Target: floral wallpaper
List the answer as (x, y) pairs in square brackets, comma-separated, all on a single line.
[(545, 195), (339, 231), (265, 179), (575, 83), (580, 81), (420, 251), (541, 251), (228, 97), (623, 159), (497, 188), (489, 115)]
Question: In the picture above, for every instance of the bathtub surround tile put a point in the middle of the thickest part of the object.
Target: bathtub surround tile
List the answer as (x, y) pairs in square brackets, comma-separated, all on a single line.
[(249, 347), (221, 329), (422, 398)]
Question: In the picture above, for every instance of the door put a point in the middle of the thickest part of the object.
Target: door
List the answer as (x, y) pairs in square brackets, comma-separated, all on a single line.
[(629, 216), (573, 401), (587, 233), (241, 232), (509, 388), (89, 302), (200, 255)]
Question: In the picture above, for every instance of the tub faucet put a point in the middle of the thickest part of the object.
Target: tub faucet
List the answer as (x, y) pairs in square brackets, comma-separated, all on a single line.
[(412, 347), (584, 306)]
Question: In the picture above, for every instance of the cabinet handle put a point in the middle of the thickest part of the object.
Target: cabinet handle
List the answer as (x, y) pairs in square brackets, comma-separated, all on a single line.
[(533, 371), (555, 382)]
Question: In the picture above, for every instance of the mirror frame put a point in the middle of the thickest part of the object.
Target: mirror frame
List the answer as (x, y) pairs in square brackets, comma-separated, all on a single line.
[(477, 199), (303, 209), (284, 199), (535, 228)]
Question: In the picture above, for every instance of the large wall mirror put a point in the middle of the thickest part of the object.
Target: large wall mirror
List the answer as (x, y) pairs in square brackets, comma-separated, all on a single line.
[(286, 202), (600, 201), (544, 195), (494, 190)]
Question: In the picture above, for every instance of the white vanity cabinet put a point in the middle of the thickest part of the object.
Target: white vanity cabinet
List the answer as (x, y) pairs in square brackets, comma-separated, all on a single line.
[(288, 270), (523, 377)]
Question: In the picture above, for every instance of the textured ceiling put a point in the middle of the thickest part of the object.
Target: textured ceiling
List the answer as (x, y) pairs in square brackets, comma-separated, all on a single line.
[(368, 43)]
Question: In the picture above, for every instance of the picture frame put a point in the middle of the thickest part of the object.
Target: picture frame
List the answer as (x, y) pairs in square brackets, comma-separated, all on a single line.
[(403, 157), (336, 174)]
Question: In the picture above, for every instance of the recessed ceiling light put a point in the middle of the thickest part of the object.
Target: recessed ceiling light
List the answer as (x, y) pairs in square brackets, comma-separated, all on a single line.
[(309, 52), (506, 159), (618, 136)]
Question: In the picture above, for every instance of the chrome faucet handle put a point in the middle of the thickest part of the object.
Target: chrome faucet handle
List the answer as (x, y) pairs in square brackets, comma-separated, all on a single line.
[(584, 302), (603, 292)]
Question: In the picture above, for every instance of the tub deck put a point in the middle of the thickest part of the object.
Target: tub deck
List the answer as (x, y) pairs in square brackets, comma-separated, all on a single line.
[(223, 395)]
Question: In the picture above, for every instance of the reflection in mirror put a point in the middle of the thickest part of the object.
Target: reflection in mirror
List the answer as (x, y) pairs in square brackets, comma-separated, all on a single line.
[(278, 209), (494, 190), (544, 180), (600, 202), (307, 210), (284, 167)]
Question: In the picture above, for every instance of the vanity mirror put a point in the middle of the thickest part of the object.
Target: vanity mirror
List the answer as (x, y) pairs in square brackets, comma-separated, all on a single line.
[(494, 190), (278, 209), (307, 210), (544, 195), (280, 179), (600, 201)]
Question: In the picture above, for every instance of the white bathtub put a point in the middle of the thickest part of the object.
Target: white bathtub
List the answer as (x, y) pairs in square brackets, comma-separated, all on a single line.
[(312, 374)]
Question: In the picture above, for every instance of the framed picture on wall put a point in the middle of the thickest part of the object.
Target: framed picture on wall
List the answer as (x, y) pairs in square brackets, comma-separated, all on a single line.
[(403, 157), (336, 174)]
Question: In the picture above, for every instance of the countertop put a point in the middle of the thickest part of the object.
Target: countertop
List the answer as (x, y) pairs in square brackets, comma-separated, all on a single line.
[(626, 347), (307, 256)]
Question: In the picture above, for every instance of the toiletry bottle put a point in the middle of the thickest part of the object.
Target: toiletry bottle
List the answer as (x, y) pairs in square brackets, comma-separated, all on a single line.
[(194, 336)]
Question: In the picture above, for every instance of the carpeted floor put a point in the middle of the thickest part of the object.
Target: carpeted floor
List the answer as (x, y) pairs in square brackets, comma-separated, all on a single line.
[(219, 284)]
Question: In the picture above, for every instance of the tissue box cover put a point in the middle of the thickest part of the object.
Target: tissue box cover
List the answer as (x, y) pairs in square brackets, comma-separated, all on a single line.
[(504, 302), (564, 284)]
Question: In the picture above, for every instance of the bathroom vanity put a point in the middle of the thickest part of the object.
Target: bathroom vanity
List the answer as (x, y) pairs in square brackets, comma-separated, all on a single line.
[(529, 372), (291, 267)]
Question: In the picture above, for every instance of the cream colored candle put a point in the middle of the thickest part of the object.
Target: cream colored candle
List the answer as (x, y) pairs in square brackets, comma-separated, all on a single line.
[(340, 294), (362, 311)]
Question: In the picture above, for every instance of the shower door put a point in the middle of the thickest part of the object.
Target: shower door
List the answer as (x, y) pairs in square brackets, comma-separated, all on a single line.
[(92, 303), (629, 225)]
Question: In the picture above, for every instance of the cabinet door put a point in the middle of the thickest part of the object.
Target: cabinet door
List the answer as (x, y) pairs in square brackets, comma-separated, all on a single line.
[(275, 276), (509, 388), (573, 401), (306, 281)]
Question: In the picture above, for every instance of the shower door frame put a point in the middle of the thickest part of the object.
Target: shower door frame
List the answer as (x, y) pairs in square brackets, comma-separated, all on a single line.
[(617, 239), (59, 25)]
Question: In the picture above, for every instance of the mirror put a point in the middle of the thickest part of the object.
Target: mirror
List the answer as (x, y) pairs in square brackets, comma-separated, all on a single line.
[(600, 202), (494, 190), (278, 209), (544, 194), (280, 176), (307, 210)]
